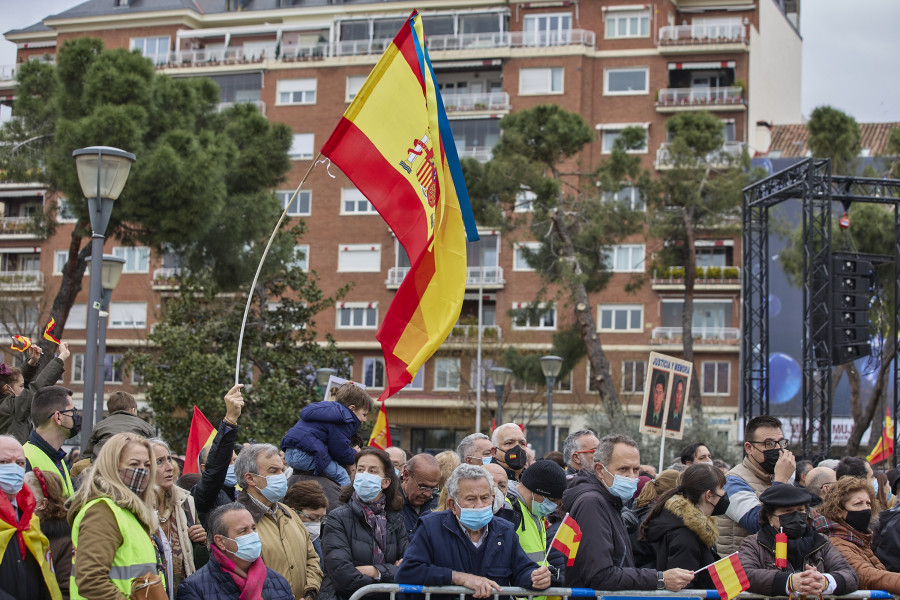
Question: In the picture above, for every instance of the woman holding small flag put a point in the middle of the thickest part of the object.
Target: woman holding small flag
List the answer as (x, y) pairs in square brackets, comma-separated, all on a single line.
[(787, 556)]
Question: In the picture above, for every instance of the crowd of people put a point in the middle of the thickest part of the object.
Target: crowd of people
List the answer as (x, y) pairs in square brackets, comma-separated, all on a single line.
[(323, 516)]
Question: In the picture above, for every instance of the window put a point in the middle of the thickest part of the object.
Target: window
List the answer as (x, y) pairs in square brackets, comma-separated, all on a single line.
[(633, 376), (353, 202), (418, 382), (611, 132), (302, 146), (77, 317), (520, 262), (296, 91), (354, 84), (626, 258), (359, 258), (446, 374), (540, 81), (373, 372), (64, 212), (627, 24), (716, 377), (525, 320), (301, 257), (154, 48), (358, 315), (625, 82), (127, 315), (522, 386), (300, 207), (621, 317), (77, 366), (525, 201), (709, 315), (112, 369), (60, 258), (137, 258), (630, 195), (564, 383), (548, 29)]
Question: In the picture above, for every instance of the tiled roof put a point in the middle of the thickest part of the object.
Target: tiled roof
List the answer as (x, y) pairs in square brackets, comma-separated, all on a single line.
[(791, 139)]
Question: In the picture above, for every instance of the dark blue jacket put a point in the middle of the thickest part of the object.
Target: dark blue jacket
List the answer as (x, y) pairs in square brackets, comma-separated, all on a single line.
[(439, 547), (324, 430), (211, 583), (411, 517)]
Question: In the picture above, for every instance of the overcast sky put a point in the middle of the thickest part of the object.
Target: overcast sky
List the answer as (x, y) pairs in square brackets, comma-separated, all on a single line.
[(850, 51)]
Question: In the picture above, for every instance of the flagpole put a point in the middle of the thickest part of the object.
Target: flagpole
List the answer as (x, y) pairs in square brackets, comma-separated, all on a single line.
[(701, 569), (237, 364)]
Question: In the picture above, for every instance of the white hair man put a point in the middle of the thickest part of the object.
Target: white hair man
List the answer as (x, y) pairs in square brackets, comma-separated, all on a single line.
[(475, 449), (508, 449)]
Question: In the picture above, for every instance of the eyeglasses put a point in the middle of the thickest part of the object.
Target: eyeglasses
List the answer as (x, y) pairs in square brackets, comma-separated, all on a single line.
[(773, 444), (69, 411), (425, 488), (313, 519), (591, 451)]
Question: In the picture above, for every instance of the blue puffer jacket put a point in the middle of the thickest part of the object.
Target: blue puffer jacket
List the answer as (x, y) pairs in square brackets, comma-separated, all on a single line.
[(211, 583), (324, 430)]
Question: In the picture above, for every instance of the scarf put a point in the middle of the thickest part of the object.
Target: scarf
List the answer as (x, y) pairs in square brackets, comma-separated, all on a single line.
[(377, 520), (26, 502), (251, 588), (840, 529)]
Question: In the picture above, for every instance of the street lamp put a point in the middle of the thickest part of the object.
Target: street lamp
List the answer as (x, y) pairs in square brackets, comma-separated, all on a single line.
[(501, 376), (323, 375), (550, 365), (109, 279), (102, 172)]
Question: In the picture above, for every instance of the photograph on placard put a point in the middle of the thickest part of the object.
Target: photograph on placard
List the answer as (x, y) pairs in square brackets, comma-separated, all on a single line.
[(654, 409)]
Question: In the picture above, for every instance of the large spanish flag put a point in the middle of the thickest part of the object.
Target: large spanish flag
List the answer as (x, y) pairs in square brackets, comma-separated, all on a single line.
[(394, 143), (200, 436), (884, 449)]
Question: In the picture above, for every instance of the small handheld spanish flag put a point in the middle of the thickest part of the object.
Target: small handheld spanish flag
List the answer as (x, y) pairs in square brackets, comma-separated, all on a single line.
[(728, 576), (567, 539), (781, 550), (48, 331), (20, 343)]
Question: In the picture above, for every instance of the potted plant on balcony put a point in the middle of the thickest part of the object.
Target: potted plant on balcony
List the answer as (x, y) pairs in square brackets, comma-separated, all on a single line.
[(731, 273)]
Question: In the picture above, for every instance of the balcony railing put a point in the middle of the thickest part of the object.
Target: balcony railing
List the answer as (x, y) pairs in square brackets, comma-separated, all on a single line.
[(700, 95), (258, 103), (729, 335), (456, 102), (704, 275), (480, 153), (703, 33), (16, 225), (469, 333), (7, 72), (166, 277), (21, 280), (717, 158), (475, 276)]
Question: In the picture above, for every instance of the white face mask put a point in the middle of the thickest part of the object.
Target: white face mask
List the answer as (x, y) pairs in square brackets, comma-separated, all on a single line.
[(499, 500), (314, 528)]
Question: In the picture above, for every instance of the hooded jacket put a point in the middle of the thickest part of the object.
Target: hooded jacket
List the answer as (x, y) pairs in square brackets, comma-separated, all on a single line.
[(324, 431), (684, 537), (856, 548)]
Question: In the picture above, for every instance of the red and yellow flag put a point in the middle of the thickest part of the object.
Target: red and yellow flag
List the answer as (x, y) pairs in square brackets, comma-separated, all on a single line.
[(200, 436), (781, 550), (20, 343), (381, 433), (729, 577), (394, 143), (567, 539), (48, 331), (885, 446)]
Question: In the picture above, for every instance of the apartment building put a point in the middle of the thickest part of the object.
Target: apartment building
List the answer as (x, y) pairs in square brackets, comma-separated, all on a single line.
[(616, 62)]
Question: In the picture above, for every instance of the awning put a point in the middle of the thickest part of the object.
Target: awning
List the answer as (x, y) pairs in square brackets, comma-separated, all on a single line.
[(20, 250)]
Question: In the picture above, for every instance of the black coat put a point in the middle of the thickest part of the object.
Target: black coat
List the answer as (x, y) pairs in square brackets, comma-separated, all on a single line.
[(211, 491), (348, 542), (886, 539), (683, 537), (643, 553)]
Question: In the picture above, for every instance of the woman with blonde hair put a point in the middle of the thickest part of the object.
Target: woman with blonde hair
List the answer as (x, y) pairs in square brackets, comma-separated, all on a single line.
[(50, 508), (447, 461), (112, 520)]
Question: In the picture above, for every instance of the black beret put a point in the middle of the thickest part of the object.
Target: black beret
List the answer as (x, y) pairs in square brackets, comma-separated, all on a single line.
[(783, 495), (546, 478)]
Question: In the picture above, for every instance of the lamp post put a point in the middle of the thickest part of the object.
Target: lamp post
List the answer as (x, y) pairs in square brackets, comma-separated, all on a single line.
[(501, 376), (550, 365), (112, 272), (102, 172), (322, 377)]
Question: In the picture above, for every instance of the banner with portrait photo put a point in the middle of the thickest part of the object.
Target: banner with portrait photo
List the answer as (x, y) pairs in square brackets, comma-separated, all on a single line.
[(665, 395)]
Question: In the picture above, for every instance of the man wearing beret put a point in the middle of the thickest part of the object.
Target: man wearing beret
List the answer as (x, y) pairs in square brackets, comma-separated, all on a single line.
[(814, 567)]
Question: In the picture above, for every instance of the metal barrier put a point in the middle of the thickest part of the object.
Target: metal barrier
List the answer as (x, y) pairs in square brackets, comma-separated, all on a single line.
[(393, 589)]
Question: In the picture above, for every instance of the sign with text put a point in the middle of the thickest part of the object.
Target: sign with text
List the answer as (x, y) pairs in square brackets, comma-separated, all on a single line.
[(665, 394)]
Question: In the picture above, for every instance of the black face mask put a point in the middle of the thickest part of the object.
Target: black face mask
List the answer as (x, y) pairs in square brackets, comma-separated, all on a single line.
[(793, 524), (770, 459), (515, 458), (859, 519), (721, 506)]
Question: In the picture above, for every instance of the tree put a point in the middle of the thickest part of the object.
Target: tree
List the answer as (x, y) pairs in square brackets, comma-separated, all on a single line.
[(893, 153), (834, 134), (201, 185), (700, 192)]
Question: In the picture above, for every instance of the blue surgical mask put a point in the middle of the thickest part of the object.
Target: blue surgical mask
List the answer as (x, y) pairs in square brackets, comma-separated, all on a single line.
[(367, 486), (276, 487), (249, 546), (397, 472), (542, 509), (230, 479), (475, 519), (486, 460), (875, 485), (12, 477), (623, 487)]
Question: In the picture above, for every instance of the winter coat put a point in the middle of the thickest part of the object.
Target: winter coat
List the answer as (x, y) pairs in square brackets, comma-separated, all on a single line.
[(886, 539), (210, 582), (211, 491), (604, 560), (411, 517), (757, 555), (348, 542), (185, 516), (121, 421), (324, 430), (743, 484), (60, 535), (15, 411), (682, 536), (643, 553), (856, 548)]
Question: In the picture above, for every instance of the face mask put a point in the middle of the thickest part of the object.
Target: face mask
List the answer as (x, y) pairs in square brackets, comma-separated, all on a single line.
[(499, 501), (875, 485), (367, 486), (135, 480), (313, 529), (76, 425), (770, 459), (486, 460), (859, 519), (230, 479), (793, 524), (623, 487), (475, 519), (721, 506), (12, 477), (248, 546), (515, 458), (397, 472), (544, 508), (276, 487)]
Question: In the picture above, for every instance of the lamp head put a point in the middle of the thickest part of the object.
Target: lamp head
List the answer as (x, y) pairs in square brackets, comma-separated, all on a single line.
[(501, 376), (551, 365), (102, 170), (111, 271), (323, 375)]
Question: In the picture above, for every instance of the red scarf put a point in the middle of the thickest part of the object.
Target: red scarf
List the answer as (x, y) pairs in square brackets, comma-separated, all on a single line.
[(25, 500), (251, 587)]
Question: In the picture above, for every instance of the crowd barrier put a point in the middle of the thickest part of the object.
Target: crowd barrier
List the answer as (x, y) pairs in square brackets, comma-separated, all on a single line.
[(557, 592)]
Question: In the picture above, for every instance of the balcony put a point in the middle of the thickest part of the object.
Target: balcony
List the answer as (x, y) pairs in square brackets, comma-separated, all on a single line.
[(21, 281), (490, 101), (485, 277), (709, 98), (468, 334), (702, 37), (258, 103), (725, 336), (8, 72), (480, 153), (708, 279), (18, 227), (730, 152), (166, 278)]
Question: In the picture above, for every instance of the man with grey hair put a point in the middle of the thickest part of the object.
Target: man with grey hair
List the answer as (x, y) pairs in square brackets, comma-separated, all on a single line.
[(398, 458), (286, 545), (578, 451), (595, 499), (508, 449), (465, 544), (475, 449)]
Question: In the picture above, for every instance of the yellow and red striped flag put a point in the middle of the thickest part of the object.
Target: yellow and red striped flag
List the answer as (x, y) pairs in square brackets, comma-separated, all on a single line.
[(48, 331), (200, 436), (885, 446), (394, 143), (20, 343), (381, 433), (728, 576), (567, 539), (781, 550)]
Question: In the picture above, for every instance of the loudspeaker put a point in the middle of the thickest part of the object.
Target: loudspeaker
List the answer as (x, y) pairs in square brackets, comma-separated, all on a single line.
[(852, 282)]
